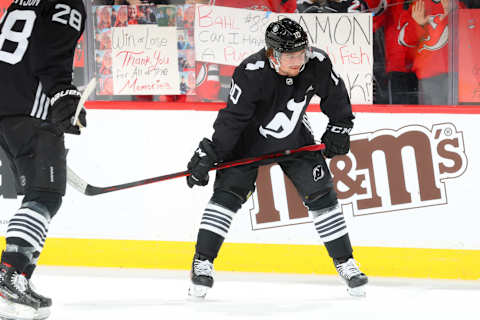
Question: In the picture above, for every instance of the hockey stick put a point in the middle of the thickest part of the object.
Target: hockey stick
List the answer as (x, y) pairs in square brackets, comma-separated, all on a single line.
[(81, 185), (86, 93)]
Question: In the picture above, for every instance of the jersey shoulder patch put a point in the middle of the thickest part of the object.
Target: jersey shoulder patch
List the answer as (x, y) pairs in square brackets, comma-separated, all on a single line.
[(319, 54), (255, 66)]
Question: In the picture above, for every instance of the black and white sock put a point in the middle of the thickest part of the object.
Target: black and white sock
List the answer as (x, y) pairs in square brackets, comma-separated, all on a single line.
[(217, 219), (332, 229), (329, 223), (29, 224)]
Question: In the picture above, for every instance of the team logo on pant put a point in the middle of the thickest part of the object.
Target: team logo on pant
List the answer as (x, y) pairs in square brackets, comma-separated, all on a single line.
[(318, 172)]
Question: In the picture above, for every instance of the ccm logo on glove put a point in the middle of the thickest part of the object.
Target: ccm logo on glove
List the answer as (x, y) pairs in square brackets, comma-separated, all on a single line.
[(338, 129)]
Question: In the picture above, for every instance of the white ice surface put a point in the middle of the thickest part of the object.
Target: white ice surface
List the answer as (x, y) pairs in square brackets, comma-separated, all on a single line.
[(104, 293)]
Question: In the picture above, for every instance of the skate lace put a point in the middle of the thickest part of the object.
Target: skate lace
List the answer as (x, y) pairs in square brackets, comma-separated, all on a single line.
[(19, 282), (348, 269), (203, 267)]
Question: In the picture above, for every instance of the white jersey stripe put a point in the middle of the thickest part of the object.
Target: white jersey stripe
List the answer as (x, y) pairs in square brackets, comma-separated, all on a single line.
[(40, 106), (45, 109), (37, 97)]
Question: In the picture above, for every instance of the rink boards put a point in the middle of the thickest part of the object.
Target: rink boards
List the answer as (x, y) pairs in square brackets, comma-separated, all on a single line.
[(408, 190)]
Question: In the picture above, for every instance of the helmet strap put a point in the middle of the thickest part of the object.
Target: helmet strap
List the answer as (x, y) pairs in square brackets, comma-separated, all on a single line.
[(275, 60)]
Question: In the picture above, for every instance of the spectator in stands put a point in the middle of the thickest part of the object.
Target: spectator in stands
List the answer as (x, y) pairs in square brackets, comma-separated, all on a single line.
[(150, 15), (122, 17), (106, 86), (103, 2), (182, 44), (132, 15), (106, 66), (106, 40), (141, 15), (128, 2), (183, 86), (172, 16), (402, 83), (330, 6), (103, 18), (113, 17), (180, 17), (426, 30)]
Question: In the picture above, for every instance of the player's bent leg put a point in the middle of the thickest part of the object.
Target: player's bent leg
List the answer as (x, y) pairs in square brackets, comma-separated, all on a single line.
[(52, 201), (331, 227), (26, 234), (214, 226)]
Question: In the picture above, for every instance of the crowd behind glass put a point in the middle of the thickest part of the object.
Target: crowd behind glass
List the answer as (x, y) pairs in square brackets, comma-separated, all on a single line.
[(416, 46)]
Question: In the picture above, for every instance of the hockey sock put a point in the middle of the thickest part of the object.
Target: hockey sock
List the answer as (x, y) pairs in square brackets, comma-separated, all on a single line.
[(332, 229), (27, 230), (208, 244), (214, 227)]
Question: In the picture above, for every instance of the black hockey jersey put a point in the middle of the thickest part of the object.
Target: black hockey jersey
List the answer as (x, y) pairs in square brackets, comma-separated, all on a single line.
[(37, 45), (265, 111)]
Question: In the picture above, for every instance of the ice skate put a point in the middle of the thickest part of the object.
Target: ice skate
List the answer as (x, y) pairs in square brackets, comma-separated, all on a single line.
[(43, 311), (351, 275), (201, 276), (15, 302)]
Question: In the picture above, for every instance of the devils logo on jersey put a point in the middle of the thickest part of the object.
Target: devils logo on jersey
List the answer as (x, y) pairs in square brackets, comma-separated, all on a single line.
[(436, 39)]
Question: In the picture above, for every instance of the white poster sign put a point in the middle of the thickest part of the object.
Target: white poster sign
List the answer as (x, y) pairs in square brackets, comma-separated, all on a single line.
[(228, 35), (145, 60)]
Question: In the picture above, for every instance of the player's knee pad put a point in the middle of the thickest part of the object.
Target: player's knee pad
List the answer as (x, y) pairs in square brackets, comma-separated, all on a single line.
[(319, 202), (227, 199), (43, 201)]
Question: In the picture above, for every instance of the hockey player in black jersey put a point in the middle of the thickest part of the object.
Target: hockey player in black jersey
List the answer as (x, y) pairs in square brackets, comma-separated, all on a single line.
[(265, 113), (38, 101)]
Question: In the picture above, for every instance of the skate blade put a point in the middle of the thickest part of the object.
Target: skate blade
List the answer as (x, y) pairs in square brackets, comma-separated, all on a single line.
[(15, 311), (357, 291), (42, 314), (196, 292)]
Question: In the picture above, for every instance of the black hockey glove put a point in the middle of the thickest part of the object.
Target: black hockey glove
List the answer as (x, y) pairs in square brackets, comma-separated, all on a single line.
[(63, 104), (337, 138), (202, 161)]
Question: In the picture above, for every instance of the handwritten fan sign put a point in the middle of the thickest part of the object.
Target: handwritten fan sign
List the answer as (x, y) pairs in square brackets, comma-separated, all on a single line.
[(228, 35), (145, 60), (348, 40)]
